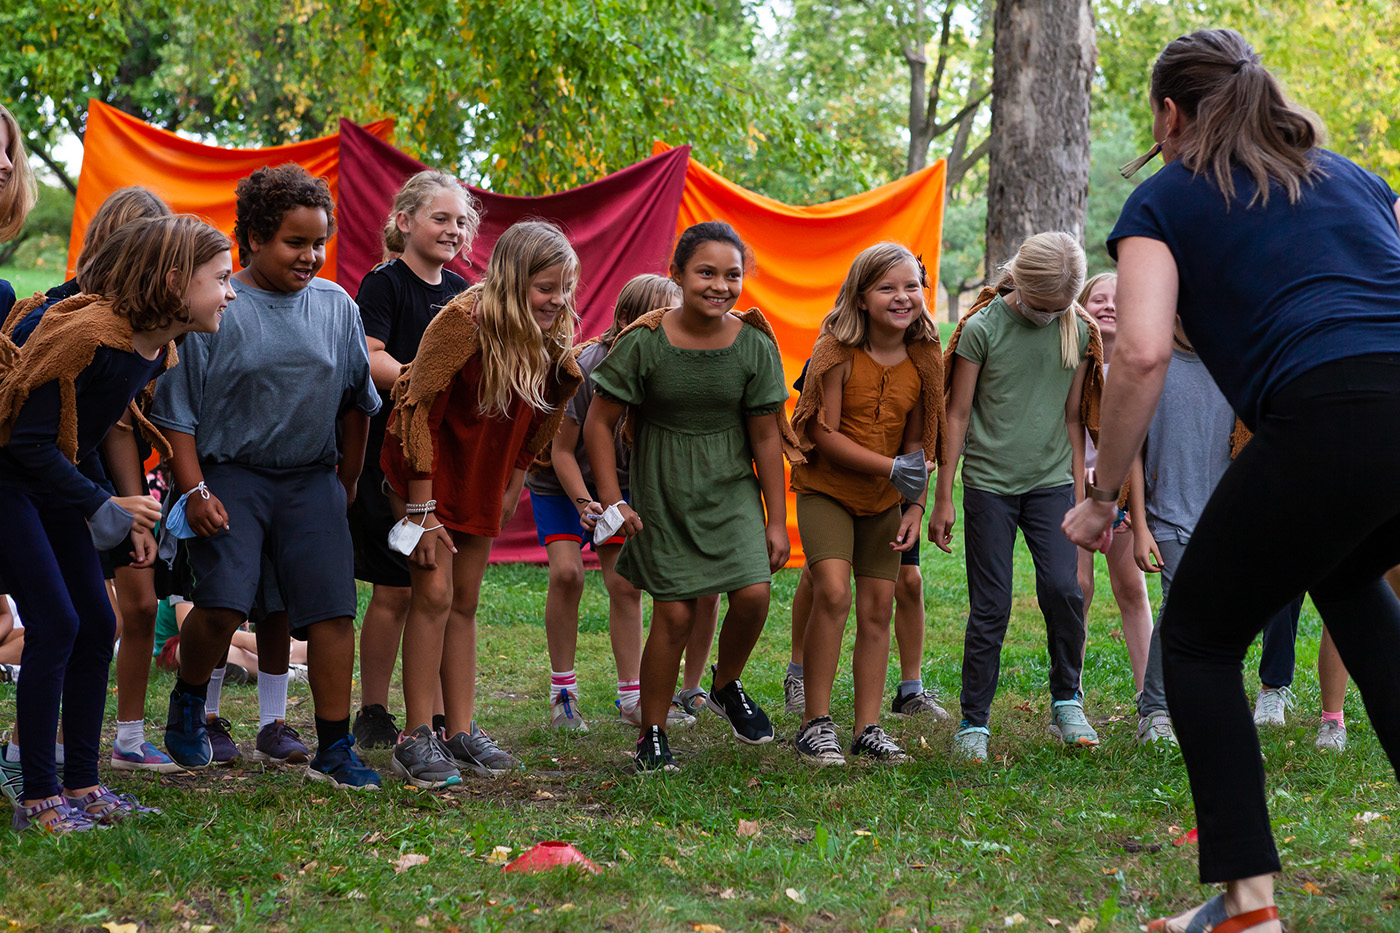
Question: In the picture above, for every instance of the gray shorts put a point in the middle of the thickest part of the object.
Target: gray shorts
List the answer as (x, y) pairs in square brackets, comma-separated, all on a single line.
[(289, 523)]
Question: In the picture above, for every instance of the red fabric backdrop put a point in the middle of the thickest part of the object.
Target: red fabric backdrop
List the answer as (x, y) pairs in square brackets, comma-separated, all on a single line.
[(621, 226)]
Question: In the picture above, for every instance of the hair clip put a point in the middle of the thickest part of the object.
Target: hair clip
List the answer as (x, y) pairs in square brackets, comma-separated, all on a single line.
[(923, 272), (1131, 168)]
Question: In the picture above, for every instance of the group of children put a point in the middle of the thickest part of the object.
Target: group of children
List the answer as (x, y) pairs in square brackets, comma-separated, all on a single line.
[(422, 408)]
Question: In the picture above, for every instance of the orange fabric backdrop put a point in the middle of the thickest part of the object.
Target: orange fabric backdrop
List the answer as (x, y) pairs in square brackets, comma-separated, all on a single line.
[(120, 150), (802, 253)]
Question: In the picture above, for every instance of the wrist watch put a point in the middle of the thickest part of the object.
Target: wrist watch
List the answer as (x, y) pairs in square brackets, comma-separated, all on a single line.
[(1092, 490)]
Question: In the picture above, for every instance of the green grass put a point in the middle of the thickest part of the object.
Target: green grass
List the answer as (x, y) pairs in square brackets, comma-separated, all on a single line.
[(27, 280), (1042, 832)]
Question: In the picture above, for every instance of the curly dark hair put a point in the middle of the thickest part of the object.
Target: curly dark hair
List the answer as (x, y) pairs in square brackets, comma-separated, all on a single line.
[(267, 195)]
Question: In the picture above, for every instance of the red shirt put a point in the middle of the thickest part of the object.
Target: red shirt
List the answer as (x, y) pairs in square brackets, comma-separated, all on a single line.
[(473, 455)]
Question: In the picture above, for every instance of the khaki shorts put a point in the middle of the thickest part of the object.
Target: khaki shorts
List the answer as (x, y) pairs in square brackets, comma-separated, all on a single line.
[(829, 532)]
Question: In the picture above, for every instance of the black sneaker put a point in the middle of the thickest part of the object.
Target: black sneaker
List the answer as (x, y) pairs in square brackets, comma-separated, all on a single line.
[(375, 728), (873, 743), (817, 743), (653, 754), (747, 719)]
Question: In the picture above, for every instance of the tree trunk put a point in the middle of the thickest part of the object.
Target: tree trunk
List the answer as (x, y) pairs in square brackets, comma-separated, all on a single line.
[(1038, 176)]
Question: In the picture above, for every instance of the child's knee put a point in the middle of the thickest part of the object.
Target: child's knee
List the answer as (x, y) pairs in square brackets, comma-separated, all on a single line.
[(909, 588), (432, 599), (567, 579)]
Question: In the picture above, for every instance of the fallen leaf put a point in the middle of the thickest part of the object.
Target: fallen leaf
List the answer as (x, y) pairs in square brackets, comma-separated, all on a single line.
[(747, 828), (792, 893), (923, 742), (624, 855), (1310, 888), (278, 876), (499, 854), (421, 921), (370, 838), (707, 928), (408, 860), (543, 795), (307, 867), (355, 895), (114, 927), (203, 928), (1084, 925), (1108, 871), (1014, 920), (670, 863), (1369, 816), (1025, 707), (1053, 922), (753, 782), (727, 894), (565, 907)]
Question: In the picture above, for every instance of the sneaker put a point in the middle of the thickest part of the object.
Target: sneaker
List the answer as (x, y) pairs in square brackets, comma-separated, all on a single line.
[(235, 675), (221, 741), (1067, 723), (422, 761), (653, 754), (375, 727), (280, 744), (874, 743), (186, 738), (747, 719), (145, 758), (1271, 705), (11, 777), (691, 701), (970, 743), (923, 703), (563, 712), (66, 820), (1156, 729), (112, 807), (9, 673), (297, 674), (480, 754), (794, 695), (1331, 737), (817, 743), (676, 716), (340, 767)]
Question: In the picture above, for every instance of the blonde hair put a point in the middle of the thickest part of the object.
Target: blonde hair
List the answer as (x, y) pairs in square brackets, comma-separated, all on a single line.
[(516, 358), (414, 196), (121, 207), (21, 192), (1094, 283), (131, 265), (1050, 268), (848, 323), (641, 294)]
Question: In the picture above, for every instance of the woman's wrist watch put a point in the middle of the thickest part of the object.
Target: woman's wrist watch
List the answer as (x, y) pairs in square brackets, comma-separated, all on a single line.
[(1092, 490)]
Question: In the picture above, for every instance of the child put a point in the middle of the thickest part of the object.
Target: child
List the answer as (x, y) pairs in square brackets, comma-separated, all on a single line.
[(431, 221), (482, 398), (18, 192), (1193, 436), (1018, 366), (705, 392), (252, 415), (870, 406), (85, 364), (1126, 580)]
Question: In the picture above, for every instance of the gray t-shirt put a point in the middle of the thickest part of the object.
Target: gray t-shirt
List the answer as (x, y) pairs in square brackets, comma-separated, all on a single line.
[(268, 389), (1187, 449), (545, 481)]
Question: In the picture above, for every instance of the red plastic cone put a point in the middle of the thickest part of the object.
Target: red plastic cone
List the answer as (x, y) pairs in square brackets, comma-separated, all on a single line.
[(547, 855)]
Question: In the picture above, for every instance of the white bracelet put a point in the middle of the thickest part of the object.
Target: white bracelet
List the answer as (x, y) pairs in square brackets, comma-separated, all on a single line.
[(420, 508)]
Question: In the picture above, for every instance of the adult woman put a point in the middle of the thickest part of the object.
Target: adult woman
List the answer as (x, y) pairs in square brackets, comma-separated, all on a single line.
[(1283, 262)]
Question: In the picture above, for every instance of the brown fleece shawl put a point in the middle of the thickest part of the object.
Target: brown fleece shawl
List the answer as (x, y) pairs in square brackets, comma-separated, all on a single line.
[(754, 318), (927, 357), (1092, 395), (449, 341), (61, 347)]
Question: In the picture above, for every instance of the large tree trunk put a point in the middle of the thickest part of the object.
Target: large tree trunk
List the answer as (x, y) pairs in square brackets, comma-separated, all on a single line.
[(1038, 177)]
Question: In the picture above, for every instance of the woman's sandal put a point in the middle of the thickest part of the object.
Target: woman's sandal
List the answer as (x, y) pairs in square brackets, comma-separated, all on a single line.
[(1211, 918), (111, 806), (66, 819)]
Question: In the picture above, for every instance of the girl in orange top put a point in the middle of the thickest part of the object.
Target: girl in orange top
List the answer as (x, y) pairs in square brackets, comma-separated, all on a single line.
[(871, 406), (484, 395)]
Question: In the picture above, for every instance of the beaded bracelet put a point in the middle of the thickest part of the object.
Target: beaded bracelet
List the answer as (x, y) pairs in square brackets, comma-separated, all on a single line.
[(420, 508)]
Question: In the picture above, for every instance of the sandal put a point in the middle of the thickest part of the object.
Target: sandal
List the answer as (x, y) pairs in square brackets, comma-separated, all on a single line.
[(111, 806), (66, 819), (1211, 918)]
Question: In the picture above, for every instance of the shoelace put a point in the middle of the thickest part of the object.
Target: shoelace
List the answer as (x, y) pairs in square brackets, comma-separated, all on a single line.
[(824, 739), (566, 700), (1072, 715), (876, 740), (1276, 701)]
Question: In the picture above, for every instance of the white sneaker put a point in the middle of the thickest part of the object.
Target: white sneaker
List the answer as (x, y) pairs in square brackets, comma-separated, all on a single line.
[(1156, 729), (1271, 705), (563, 712), (970, 744), (1331, 737)]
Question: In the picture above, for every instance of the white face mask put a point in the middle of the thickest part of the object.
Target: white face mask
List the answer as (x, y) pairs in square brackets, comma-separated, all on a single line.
[(1036, 317), (403, 537)]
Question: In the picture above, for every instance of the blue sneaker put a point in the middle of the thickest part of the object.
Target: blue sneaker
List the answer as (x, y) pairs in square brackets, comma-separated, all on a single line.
[(145, 758), (186, 739), (341, 768)]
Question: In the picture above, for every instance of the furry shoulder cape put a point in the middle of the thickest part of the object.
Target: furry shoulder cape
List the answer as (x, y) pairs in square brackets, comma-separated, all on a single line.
[(927, 357), (449, 341), (61, 347)]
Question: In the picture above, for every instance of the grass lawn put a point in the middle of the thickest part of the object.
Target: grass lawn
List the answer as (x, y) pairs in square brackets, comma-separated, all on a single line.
[(28, 281), (742, 838)]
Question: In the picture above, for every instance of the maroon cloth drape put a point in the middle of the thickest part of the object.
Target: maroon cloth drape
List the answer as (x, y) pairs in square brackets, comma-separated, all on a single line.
[(622, 225)]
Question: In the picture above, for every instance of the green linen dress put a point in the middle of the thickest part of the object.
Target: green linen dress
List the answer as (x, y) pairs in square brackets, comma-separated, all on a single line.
[(692, 477)]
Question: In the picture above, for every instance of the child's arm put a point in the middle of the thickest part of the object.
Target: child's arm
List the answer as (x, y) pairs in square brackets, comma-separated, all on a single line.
[(511, 499), (124, 460), (354, 434), (570, 476), (383, 369), (764, 438), (910, 522), (1145, 552), (835, 446), (598, 428), (205, 516), (940, 523), (1075, 425)]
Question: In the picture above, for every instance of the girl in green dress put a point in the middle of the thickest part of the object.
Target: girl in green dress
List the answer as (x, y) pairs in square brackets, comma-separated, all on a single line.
[(703, 392)]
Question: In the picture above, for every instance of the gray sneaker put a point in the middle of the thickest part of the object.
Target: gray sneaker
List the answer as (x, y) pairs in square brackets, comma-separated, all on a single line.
[(1067, 723), (923, 703), (422, 761), (970, 744), (817, 743), (480, 754), (11, 777), (1272, 703), (1156, 729), (794, 695), (1331, 737), (9, 673)]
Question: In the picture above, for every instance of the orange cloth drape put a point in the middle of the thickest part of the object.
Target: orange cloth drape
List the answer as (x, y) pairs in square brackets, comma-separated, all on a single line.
[(120, 150), (802, 253)]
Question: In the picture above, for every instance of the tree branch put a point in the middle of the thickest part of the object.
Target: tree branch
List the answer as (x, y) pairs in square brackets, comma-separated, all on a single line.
[(40, 150), (940, 128)]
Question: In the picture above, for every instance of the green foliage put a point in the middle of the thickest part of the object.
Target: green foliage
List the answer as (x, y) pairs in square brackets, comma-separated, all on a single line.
[(42, 245)]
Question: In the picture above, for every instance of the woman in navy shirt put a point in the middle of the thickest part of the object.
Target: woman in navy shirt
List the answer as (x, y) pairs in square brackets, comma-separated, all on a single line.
[(1283, 261)]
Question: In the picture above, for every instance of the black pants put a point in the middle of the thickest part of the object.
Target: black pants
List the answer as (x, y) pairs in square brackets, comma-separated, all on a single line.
[(1312, 504), (989, 530)]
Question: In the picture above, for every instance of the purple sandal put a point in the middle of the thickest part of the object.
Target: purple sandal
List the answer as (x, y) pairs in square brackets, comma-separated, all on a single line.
[(67, 820), (115, 808)]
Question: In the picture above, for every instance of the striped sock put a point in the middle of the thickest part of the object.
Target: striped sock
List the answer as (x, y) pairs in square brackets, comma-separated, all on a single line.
[(629, 694), (562, 680)]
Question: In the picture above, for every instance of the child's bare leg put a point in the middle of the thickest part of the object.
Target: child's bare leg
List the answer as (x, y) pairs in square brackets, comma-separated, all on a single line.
[(380, 635), (743, 624), (909, 621), (801, 611), (826, 624), (459, 641), (12, 647), (136, 595), (423, 634), (1086, 580), (702, 639), (274, 644), (871, 659), (1130, 593), (242, 657), (672, 622), (204, 638), (624, 616), (1331, 674), (330, 649), (561, 602)]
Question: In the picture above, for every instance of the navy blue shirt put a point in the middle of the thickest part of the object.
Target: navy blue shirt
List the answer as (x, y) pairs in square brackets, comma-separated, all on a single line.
[(51, 297), (32, 459), (1267, 293), (7, 299)]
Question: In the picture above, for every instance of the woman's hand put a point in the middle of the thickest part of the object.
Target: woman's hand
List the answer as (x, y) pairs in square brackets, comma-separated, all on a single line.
[(1090, 524), (425, 553), (1145, 552), (205, 516), (908, 534), (631, 521), (144, 510), (940, 524), (143, 549), (779, 546)]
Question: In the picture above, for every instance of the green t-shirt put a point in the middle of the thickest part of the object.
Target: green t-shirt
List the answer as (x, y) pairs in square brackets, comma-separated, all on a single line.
[(1016, 437)]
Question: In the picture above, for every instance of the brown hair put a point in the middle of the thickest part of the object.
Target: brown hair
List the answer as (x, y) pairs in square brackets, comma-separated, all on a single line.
[(641, 294), (121, 207), (18, 196), (1238, 113), (848, 323), (414, 196), (130, 268)]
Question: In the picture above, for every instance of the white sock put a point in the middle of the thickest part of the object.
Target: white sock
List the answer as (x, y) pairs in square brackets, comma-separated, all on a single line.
[(216, 689), (272, 697), (12, 752), (629, 694), (58, 753), (130, 736)]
